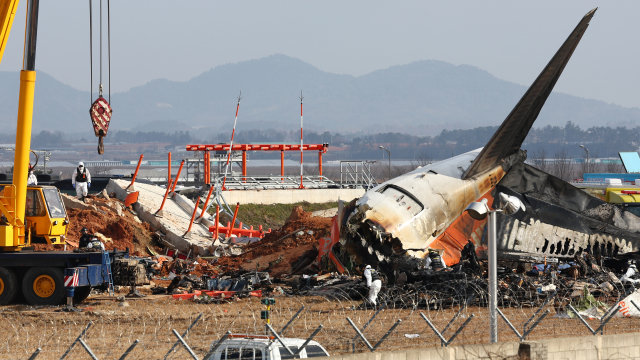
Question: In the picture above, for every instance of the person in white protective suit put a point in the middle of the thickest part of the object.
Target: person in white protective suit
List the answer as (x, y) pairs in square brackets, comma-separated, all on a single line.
[(81, 181), (32, 179), (631, 271), (373, 283)]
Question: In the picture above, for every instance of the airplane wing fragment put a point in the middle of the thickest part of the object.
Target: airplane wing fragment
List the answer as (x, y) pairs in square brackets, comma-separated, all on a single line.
[(509, 137)]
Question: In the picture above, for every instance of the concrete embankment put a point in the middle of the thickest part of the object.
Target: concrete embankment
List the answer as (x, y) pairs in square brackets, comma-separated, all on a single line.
[(175, 220), (617, 346), (290, 196)]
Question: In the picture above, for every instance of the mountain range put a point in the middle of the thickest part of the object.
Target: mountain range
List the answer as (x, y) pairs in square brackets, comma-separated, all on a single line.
[(422, 97)]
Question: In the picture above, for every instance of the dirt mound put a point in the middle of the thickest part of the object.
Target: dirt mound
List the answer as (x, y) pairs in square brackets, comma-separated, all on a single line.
[(278, 249), (300, 229), (125, 231)]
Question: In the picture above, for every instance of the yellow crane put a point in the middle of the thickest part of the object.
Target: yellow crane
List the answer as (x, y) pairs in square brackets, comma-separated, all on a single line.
[(41, 206)]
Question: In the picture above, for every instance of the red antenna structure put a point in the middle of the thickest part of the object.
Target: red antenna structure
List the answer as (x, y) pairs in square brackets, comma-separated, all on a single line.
[(301, 145)]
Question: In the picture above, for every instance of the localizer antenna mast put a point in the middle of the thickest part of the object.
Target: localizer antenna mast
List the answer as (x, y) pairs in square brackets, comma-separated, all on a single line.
[(231, 145)]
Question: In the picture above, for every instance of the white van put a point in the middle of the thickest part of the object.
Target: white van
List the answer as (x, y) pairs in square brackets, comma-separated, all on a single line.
[(262, 347)]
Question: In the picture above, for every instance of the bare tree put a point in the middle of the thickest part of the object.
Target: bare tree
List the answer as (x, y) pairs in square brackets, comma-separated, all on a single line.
[(102, 170), (423, 159), (539, 159), (562, 168), (613, 167)]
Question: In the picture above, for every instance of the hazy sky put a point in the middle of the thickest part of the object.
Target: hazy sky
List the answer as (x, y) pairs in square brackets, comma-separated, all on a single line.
[(179, 40)]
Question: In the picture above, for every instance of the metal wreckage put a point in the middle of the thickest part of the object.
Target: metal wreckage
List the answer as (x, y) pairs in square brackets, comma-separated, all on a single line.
[(395, 224)]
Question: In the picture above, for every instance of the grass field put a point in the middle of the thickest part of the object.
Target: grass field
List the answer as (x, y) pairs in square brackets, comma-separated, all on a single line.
[(273, 216)]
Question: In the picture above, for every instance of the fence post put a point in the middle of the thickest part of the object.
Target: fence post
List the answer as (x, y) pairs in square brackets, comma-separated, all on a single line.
[(367, 324), (87, 349), (135, 175), (292, 320), (605, 319), (308, 340), (279, 339), (129, 350), (76, 340), (184, 334), (35, 354), (215, 347), (181, 340), (453, 337)]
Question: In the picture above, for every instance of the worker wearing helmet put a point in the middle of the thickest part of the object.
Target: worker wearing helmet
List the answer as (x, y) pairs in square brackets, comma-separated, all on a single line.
[(373, 283), (85, 238), (81, 181)]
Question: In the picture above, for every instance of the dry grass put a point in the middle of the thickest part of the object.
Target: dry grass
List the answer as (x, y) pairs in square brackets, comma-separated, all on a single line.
[(115, 328)]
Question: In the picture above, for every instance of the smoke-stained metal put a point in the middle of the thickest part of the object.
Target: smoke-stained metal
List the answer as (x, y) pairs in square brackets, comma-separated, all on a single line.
[(425, 208)]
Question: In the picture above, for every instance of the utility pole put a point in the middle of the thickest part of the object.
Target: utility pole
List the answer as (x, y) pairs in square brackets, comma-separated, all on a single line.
[(587, 150)]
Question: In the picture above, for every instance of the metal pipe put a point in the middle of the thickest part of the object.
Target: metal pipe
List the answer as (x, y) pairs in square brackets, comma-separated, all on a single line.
[(215, 346), (135, 174), (166, 193), (173, 188), (301, 143), (386, 335), (169, 167), (204, 207), (216, 233), (30, 36), (320, 164), (292, 320), (244, 165), (129, 350), (233, 222), (186, 346), (493, 279), (309, 340), (226, 166), (193, 216)]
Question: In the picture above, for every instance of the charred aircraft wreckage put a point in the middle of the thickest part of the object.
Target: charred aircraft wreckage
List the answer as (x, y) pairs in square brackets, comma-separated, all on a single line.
[(399, 220)]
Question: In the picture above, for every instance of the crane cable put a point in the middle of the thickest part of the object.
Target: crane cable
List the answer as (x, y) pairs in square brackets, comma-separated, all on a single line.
[(108, 46), (100, 110)]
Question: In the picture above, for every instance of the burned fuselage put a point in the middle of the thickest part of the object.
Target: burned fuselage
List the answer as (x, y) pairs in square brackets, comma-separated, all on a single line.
[(406, 214), (424, 208)]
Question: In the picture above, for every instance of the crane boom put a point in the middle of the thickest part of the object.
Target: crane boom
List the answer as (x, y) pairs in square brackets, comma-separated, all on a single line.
[(8, 10)]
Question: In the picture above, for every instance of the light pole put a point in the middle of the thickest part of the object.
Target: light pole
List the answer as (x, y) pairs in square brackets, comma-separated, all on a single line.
[(587, 150), (479, 210), (389, 153)]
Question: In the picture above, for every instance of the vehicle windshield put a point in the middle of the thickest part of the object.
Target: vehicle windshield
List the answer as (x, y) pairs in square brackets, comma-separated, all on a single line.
[(54, 203)]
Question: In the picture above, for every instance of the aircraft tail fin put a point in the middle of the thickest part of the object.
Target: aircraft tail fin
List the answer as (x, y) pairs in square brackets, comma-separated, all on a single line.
[(514, 129)]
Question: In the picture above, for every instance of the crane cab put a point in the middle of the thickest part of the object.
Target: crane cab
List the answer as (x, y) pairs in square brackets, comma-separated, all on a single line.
[(46, 215)]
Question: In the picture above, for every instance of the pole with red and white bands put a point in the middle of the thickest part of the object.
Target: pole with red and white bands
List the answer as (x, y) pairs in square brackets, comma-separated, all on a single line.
[(226, 166), (301, 144)]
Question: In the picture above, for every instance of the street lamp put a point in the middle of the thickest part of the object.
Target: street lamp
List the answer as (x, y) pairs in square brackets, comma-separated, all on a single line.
[(388, 152), (587, 150), (479, 210)]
